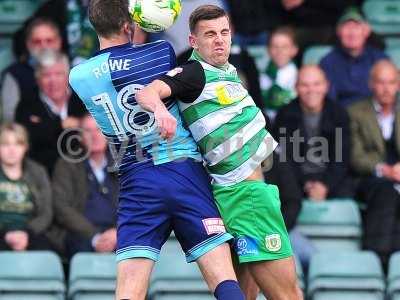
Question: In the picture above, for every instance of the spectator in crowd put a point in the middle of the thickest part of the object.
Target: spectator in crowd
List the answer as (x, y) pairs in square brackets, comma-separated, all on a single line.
[(278, 80), (313, 20), (79, 38), (375, 133), (25, 194), (18, 82), (54, 109), (348, 64), (85, 195), (250, 22), (316, 138)]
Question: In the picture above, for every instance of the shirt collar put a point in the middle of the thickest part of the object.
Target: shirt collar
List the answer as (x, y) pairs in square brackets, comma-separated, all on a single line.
[(94, 166), (63, 114), (361, 56), (378, 107)]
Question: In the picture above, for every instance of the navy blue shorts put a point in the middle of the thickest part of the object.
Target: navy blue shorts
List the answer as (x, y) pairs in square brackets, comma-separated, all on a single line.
[(154, 200)]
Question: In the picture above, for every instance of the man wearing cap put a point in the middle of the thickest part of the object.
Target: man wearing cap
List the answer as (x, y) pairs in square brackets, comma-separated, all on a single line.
[(347, 66)]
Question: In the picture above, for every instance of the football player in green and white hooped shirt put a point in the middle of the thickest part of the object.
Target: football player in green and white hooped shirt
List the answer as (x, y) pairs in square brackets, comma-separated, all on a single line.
[(230, 132)]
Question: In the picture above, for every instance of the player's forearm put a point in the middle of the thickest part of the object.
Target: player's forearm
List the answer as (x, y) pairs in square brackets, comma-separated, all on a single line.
[(150, 97)]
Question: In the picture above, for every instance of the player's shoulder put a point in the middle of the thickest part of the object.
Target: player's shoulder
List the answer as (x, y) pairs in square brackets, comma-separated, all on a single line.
[(80, 71), (192, 66), (154, 44), (190, 70)]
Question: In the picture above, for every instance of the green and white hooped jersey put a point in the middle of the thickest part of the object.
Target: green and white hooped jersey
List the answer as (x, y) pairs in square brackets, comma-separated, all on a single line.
[(227, 126)]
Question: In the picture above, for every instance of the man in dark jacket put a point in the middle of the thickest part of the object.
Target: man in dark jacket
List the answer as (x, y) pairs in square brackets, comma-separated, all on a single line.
[(375, 155), (85, 195), (18, 80), (314, 136), (49, 117)]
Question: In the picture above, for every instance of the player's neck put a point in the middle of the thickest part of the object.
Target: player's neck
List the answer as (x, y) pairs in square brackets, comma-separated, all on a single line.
[(112, 41)]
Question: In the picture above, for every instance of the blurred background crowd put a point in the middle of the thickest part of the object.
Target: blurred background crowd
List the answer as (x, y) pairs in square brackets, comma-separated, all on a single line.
[(325, 74)]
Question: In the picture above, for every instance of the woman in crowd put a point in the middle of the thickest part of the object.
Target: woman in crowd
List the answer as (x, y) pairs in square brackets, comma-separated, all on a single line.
[(25, 194)]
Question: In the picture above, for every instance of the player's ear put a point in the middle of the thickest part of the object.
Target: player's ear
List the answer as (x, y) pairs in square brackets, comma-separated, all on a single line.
[(127, 28), (193, 42)]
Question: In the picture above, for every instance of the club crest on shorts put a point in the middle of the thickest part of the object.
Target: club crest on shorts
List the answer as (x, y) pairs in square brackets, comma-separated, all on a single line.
[(273, 242)]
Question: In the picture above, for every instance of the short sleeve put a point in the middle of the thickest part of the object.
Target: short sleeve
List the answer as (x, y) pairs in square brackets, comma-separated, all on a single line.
[(186, 81)]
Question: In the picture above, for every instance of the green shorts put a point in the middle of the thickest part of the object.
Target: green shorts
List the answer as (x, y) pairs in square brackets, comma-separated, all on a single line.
[(251, 211)]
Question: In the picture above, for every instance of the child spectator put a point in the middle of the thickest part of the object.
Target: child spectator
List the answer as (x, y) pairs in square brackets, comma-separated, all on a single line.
[(279, 79)]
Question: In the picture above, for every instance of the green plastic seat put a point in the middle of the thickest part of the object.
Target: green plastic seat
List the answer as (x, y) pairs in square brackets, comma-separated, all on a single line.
[(13, 13), (6, 57), (393, 279), (383, 15), (33, 274), (331, 225), (173, 277), (260, 56), (92, 274), (314, 54), (395, 296), (343, 272), (394, 54), (347, 295), (29, 296), (94, 296), (392, 42), (183, 297)]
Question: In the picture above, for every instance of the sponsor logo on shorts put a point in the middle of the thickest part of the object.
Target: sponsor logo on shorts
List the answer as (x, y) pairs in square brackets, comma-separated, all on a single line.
[(214, 225), (245, 246), (273, 242)]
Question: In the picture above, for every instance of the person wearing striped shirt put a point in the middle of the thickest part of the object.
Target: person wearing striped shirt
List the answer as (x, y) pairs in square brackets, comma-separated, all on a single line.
[(230, 132)]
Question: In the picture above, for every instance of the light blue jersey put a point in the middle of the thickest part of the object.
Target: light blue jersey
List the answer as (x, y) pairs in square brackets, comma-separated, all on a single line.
[(107, 84)]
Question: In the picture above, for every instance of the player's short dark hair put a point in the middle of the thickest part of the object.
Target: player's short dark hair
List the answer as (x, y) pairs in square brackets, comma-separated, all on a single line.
[(205, 12), (108, 16)]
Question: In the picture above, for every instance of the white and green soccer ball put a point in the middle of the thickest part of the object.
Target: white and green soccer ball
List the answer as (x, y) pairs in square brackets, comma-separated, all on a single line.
[(155, 15)]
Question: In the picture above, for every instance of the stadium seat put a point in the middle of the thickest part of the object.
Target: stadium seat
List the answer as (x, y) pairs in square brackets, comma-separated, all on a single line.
[(260, 56), (31, 275), (13, 14), (393, 280), (331, 225), (383, 15), (345, 275), (6, 57), (392, 42), (92, 276), (394, 54), (314, 54), (173, 278)]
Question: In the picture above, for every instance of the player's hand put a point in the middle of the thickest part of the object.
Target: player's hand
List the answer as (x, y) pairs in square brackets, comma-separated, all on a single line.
[(107, 241), (17, 240), (70, 122), (396, 172), (291, 4), (166, 122)]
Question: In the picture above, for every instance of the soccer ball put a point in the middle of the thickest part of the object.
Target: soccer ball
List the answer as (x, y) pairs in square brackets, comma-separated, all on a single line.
[(154, 15)]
